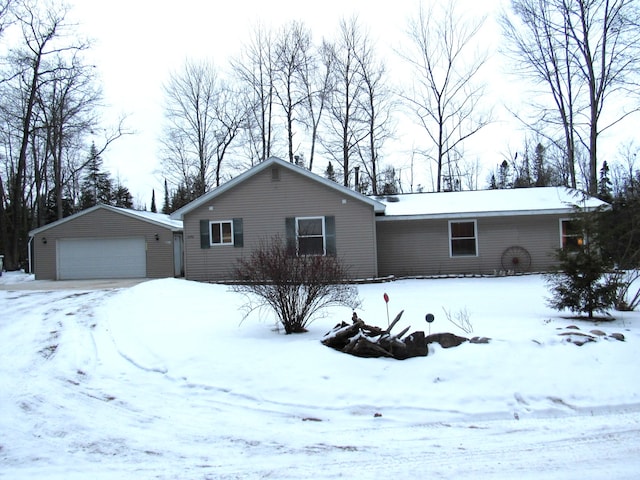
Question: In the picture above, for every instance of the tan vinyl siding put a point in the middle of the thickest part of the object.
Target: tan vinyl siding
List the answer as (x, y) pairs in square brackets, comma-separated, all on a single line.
[(102, 223), (264, 203), (421, 247)]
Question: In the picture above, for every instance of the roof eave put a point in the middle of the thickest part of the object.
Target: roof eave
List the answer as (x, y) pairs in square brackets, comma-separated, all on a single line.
[(458, 215), (121, 211), (179, 214)]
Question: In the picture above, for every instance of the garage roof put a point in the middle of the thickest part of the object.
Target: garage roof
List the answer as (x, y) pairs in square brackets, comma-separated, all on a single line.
[(158, 219)]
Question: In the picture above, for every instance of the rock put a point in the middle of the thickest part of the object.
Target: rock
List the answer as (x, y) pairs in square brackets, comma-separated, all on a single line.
[(598, 333), (479, 340), (446, 340), (577, 338), (617, 336)]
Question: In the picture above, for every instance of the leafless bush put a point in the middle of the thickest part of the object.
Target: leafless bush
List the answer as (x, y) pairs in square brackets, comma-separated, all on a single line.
[(459, 319), (628, 289), (295, 287)]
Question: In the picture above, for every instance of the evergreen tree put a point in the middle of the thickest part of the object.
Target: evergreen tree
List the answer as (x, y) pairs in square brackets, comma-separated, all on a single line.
[(523, 172), (166, 207), (96, 187), (504, 175), (493, 184), (330, 173), (541, 173), (390, 183), (604, 185), (180, 197), (153, 201), (582, 285), (121, 197)]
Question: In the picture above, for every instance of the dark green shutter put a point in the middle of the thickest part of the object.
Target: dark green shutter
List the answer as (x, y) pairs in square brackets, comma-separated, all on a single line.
[(330, 234), (205, 241), (238, 233), (290, 229)]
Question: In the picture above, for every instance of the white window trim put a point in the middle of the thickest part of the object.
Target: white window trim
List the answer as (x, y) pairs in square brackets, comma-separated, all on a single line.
[(211, 222), (324, 233), (475, 230), (562, 236)]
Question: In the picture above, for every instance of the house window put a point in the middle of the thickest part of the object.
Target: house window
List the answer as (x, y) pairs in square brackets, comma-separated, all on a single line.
[(571, 236), (310, 236), (463, 240), (221, 233)]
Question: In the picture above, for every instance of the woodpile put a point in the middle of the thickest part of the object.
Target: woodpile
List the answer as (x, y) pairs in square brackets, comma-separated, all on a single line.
[(364, 340)]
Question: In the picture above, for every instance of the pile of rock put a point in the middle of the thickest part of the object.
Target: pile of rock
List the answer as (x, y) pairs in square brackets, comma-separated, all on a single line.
[(574, 335)]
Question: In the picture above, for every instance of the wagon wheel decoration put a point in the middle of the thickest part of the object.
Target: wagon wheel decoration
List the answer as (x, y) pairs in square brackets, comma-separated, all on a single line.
[(516, 259)]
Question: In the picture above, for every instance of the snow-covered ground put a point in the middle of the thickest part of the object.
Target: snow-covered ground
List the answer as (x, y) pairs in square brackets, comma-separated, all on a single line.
[(165, 380)]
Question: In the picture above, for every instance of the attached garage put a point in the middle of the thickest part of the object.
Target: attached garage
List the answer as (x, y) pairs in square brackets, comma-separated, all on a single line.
[(80, 258), (108, 242)]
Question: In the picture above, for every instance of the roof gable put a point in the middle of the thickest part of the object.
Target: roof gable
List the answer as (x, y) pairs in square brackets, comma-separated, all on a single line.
[(158, 219), (484, 203), (270, 162)]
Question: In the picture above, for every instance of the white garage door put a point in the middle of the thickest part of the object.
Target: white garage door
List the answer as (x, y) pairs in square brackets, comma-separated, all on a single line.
[(102, 258)]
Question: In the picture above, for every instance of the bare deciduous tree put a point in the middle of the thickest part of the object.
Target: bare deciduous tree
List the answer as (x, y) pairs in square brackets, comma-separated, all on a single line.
[(203, 119), (447, 92), (43, 57), (255, 72), (316, 77), (345, 124), (291, 56), (586, 53), (376, 106)]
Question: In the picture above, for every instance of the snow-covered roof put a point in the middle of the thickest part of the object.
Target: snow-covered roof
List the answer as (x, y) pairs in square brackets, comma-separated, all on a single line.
[(486, 203), (159, 219), (378, 207)]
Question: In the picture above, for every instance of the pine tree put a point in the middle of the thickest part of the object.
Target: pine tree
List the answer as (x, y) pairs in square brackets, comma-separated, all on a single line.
[(604, 185), (493, 184), (330, 172), (582, 285), (121, 197), (153, 201), (96, 187), (180, 197), (540, 171), (166, 207), (504, 175)]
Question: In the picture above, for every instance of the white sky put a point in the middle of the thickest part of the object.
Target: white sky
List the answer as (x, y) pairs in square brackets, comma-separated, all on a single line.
[(138, 42)]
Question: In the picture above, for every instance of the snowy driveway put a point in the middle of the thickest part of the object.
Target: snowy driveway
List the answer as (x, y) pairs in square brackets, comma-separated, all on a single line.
[(53, 285), (165, 380)]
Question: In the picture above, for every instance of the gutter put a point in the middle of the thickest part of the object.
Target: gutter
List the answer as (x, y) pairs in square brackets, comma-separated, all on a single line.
[(442, 216)]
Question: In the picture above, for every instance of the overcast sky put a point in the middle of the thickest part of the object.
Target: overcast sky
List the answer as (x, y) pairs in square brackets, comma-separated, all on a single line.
[(138, 42)]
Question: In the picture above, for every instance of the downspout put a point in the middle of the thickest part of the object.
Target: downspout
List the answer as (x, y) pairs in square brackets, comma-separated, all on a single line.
[(29, 245)]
